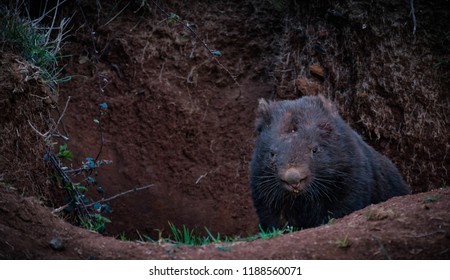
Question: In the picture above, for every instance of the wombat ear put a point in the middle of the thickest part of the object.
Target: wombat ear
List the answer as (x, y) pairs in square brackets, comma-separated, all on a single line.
[(262, 115), (329, 106), (326, 128)]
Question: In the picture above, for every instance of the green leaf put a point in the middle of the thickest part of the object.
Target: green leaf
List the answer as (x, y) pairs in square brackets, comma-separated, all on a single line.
[(173, 18), (102, 219), (81, 188), (64, 153)]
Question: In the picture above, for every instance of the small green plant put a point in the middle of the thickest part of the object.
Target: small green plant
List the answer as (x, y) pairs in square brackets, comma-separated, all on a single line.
[(331, 221), (173, 18), (96, 222), (86, 212), (343, 243), (187, 236), (219, 239), (369, 214), (213, 238), (274, 232), (64, 153), (122, 236)]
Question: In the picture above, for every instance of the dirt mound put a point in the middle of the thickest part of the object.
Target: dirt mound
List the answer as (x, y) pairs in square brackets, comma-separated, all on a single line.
[(25, 105), (410, 227), (146, 94)]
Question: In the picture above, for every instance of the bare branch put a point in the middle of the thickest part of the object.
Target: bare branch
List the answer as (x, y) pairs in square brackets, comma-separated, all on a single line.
[(120, 194), (59, 209), (37, 131), (114, 17), (64, 111)]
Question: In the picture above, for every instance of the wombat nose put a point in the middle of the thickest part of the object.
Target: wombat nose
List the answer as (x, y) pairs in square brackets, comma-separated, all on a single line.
[(293, 176)]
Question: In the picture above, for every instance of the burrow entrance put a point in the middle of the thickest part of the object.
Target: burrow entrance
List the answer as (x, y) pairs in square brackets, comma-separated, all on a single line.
[(176, 120)]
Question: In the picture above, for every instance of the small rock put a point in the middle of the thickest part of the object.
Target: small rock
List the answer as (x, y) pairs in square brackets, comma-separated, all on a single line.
[(56, 244), (317, 70)]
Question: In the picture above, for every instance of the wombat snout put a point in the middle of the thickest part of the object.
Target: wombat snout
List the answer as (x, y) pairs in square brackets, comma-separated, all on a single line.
[(295, 178)]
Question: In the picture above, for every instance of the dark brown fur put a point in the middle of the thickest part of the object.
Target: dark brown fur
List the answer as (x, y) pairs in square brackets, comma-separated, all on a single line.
[(309, 166)]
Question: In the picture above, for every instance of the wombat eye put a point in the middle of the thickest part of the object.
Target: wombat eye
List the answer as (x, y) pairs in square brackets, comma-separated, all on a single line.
[(272, 154), (315, 149)]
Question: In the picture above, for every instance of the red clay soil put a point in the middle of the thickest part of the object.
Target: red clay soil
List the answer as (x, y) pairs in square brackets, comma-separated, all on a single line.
[(177, 121), (409, 227)]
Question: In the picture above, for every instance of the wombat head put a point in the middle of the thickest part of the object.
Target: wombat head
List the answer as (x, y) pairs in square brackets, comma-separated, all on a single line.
[(295, 146)]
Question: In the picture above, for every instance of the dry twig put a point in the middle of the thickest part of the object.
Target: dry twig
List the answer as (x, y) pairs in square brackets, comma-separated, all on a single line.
[(413, 16)]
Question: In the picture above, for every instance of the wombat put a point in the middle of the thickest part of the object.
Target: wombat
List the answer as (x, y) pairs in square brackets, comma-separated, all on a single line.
[(309, 166)]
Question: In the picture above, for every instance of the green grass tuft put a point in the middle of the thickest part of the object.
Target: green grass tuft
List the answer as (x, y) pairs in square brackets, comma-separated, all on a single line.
[(343, 243), (185, 236), (39, 45)]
